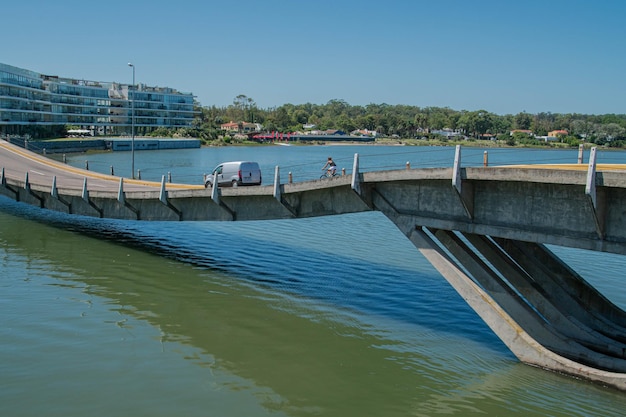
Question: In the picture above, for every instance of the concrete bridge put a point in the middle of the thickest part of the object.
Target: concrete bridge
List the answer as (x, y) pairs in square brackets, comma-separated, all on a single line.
[(483, 228)]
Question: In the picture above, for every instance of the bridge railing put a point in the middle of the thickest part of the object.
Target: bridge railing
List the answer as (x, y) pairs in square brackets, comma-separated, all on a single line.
[(376, 159), (413, 157)]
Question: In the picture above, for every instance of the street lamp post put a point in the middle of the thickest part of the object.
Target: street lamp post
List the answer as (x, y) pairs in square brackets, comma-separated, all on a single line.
[(132, 122)]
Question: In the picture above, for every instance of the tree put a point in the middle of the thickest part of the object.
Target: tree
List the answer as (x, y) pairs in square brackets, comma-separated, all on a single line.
[(280, 119), (523, 121), (366, 122), (610, 132), (582, 128), (502, 124), (245, 105), (484, 122), (438, 120), (476, 123), (299, 117), (421, 120), (543, 123), (336, 107), (346, 124), (407, 121)]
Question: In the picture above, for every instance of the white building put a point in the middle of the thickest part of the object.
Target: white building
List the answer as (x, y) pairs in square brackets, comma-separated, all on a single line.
[(29, 99)]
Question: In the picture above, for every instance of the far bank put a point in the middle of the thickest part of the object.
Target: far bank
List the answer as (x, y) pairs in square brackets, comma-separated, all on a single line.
[(82, 145)]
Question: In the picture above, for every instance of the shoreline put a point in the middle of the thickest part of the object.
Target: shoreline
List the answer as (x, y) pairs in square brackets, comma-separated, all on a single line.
[(419, 142), (378, 142)]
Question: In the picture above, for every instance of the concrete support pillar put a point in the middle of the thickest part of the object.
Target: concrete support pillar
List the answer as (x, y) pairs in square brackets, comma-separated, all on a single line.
[(54, 192), (163, 198), (356, 180), (539, 293), (277, 183), (465, 193), (215, 192), (121, 198), (596, 200), (163, 192), (85, 193), (120, 192), (509, 311), (567, 288), (456, 169), (590, 187)]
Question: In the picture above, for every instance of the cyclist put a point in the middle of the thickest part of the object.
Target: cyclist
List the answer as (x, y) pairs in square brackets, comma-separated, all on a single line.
[(332, 167)]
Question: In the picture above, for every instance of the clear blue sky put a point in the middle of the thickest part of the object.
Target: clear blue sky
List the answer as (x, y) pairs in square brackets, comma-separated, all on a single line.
[(501, 56)]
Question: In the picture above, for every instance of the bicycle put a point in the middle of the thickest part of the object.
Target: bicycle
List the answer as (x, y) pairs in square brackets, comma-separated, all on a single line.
[(328, 174)]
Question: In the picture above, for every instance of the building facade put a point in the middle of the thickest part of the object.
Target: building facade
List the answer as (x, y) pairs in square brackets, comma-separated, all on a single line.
[(241, 127), (31, 102)]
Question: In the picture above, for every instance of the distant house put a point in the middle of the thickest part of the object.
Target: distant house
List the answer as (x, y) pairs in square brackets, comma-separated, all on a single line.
[(308, 126), (251, 127), (230, 126), (364, 132), (241, 127), (447, 132), (557, 133)]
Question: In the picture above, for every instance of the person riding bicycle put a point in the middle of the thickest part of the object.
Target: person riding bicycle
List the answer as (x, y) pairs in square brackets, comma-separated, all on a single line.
[(332, 167)]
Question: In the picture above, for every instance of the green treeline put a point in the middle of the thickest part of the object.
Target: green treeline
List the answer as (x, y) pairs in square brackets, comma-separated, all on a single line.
[(409, 122)]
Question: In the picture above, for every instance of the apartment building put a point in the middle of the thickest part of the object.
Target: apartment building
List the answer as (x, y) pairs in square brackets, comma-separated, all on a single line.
[(33, 102)]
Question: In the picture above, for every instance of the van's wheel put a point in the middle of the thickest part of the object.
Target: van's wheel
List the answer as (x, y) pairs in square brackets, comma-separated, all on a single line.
[(235, 183), (208, 184)]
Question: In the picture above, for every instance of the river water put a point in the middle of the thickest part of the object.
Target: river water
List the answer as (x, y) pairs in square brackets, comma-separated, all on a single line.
[(333, 316)]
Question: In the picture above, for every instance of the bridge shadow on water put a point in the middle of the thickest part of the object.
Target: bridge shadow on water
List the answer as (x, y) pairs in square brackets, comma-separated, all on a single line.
[(360, 263)]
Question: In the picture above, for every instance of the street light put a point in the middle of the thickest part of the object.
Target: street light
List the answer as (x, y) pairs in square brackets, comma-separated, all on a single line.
[(132, 121)]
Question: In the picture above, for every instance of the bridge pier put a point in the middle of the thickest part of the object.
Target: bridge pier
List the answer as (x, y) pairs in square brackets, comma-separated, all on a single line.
[(85, 198), (278, 192), (543, 318), (582, 301), (121, 198), (165, 200)]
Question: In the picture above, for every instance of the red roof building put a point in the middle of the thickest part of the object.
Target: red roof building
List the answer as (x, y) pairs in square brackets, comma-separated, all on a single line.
[(557, 133)]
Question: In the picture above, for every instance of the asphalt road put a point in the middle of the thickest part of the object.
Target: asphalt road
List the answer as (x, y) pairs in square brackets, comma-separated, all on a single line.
[(16, 162)]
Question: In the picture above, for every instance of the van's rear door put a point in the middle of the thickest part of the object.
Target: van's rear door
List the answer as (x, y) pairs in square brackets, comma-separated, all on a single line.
[(250, 173)]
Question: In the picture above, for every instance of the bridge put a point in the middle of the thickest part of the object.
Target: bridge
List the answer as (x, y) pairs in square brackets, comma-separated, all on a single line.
[(483, 228)]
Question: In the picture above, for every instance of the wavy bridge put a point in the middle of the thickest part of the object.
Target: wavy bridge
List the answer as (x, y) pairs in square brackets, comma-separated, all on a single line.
[(483, 228)]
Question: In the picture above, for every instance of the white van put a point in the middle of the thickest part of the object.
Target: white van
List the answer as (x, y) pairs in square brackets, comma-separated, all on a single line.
[(233, 174)]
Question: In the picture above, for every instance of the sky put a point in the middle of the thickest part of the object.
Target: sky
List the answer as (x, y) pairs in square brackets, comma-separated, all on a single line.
[(505, 57)]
